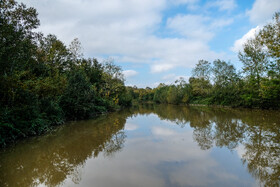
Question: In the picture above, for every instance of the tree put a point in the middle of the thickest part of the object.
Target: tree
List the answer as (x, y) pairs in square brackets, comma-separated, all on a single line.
[(54, 53), (76, 49), (184, 90), (254, 60), (161, 92), (43, 83), (93, 70), (19, 107), (202, 69), (224, 73), (113, 81), (173, 96), (78, 99), (226, 84), (16, 25), (113, 70), (200, 86), (269, 36)]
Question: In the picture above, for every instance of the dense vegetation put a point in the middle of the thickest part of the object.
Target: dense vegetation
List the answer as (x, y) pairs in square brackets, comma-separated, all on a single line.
[(219, 83), (44, 83)]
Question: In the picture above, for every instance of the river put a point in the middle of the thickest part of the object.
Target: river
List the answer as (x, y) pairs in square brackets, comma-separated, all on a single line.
[(152, 145)]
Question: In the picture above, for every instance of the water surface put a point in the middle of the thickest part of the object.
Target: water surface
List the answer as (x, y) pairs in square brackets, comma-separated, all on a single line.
[(152, 145)]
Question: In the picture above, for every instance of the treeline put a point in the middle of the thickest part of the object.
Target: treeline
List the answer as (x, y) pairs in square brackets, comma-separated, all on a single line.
[(219, 83), (44, 83)]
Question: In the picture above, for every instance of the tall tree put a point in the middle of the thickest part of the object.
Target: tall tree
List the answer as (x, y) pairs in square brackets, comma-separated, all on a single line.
[(202, 69), (16, 25), (224, 73), (270, 38), (76, 49), (254, 60)]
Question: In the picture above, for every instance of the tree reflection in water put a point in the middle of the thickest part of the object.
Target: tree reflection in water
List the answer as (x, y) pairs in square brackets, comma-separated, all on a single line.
[(53, 158), (257, 130)]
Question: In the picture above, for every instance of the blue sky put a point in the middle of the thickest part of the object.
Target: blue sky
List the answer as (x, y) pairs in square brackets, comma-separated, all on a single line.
[(156, 41)]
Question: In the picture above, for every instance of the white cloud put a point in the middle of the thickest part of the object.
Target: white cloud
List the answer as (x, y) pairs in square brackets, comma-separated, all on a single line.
[(223, 5), (263, 10), (130, 127), (106, 17), (161, 67), (169, 76), (124, 29), (240, 150), (196, 26), (191, 4), (130, 73), (218, 23), (161, 131), (238, 44), (191, 26), (184, 1), (174, 159)]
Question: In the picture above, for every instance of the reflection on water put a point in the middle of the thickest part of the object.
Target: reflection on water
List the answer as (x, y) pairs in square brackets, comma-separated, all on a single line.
[(50, 159), (152, 145)]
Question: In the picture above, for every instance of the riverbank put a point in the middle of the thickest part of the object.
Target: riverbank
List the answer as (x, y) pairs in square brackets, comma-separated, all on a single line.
[(208, 105)]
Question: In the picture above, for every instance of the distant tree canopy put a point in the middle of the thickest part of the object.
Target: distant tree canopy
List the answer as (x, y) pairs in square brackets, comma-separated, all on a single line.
[(257, 85)]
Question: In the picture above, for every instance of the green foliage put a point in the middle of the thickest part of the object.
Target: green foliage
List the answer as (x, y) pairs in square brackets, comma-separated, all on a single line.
[(220, 84), (44, 83), (229, 96), (125, 98), (226, 84), (224, 73), (173, 95), (16, 45), (261, 64), (202, 69), (161, 94), (269, 36), (78, 99), (270, 93), (254, 60), (200, 86)]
